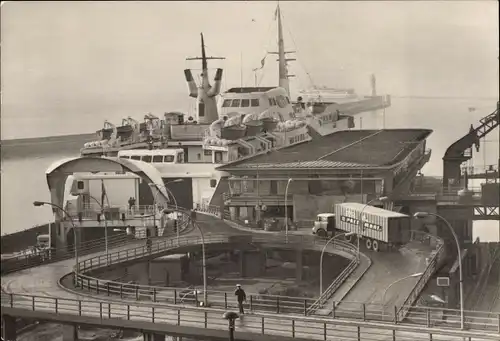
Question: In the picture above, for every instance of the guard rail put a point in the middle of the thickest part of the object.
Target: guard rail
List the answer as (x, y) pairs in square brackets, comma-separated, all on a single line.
[(106, 313), (191, 296)]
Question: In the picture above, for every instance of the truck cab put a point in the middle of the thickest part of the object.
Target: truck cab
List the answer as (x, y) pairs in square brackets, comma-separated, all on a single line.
[(324, 223)]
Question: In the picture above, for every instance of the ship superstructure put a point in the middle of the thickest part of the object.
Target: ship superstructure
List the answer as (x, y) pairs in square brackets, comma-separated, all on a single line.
[(246, 121)]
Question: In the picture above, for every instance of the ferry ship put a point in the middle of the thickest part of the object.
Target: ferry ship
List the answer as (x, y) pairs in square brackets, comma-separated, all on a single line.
[(187, 149)]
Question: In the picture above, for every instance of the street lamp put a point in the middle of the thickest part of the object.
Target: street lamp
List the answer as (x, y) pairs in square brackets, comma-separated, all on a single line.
[(420, 215), (42, 203), (395, 282), (321, 260), (171, 195), (230, 316), (382, 199), (204, 259), (286, 207), (101, 206)]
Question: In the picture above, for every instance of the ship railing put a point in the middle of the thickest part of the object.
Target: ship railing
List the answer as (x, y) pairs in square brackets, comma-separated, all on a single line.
[(93, 211)]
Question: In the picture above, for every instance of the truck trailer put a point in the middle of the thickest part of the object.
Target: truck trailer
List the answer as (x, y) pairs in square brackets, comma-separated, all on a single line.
[(381, 229)]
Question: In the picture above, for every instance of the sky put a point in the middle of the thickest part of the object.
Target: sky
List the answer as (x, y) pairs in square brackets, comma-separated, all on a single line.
[(80, 60)]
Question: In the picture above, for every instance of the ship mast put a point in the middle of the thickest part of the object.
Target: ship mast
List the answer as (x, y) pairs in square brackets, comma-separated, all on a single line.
[(205, 93), (283, 69)]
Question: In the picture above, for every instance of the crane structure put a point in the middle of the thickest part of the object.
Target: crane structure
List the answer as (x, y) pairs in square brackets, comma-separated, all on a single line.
[(461, 151)]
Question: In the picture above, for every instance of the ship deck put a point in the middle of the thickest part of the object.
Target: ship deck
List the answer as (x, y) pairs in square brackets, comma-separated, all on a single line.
[(343, 149)]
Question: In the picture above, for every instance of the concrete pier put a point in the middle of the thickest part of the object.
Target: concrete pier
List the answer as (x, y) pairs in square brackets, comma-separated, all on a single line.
[(153, 336), (70, 332)]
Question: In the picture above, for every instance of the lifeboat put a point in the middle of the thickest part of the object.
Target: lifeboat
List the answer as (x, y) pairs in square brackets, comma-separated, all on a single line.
[(253, 123), (233, 128), (269, 122)]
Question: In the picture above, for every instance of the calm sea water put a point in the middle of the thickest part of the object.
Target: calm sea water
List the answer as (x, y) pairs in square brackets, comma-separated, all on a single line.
[(23, 179)]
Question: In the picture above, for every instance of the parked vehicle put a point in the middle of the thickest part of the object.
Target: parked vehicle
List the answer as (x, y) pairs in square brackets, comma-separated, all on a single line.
[(381, 229), (278, 224)]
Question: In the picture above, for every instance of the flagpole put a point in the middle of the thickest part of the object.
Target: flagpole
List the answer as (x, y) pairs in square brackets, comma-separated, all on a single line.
[(103, 192), (241, 69)]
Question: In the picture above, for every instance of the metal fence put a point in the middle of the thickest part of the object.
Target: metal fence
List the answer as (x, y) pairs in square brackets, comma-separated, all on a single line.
[(110, 313)]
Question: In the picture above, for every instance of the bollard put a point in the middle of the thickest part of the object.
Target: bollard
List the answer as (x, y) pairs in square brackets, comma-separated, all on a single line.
[(262, 324), (100, 309), (364, 312), (395, 315), (305, 307), (33, 303), (56, 306), (79, 308), (178, 317), (293, 328), (153, 314), (324, 331), (251, 302), (394, 335), (175, 296), (359, 333), (109, 310), (128, 312), (225, 300), (206, 319)]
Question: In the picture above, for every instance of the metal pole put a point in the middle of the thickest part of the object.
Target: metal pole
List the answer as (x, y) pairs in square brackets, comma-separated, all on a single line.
[(459, 265), (393, 283), (286, 208), (50, 240), (105, 224), (321, 261), (231, 330), (204, 264), (75, 240)]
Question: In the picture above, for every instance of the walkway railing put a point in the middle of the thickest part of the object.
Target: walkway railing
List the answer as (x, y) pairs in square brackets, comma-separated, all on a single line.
[(110, 313), (424, 278), (194, 296), (29, 260)]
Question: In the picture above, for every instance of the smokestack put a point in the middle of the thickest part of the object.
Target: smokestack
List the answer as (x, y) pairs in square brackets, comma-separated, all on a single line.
[(193, 89), (374, 85), (215, 89)]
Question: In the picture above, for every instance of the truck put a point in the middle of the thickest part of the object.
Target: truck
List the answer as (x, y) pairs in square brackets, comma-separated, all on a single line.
[(381, 229)]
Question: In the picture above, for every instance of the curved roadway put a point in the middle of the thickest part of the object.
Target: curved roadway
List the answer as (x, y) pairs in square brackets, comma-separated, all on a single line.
[(43, 281)]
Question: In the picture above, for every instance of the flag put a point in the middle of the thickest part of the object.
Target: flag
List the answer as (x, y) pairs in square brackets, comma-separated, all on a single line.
[(103, 193), (262, 63)]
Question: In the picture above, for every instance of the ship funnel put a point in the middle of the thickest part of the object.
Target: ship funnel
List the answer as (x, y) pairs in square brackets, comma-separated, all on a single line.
[(193, 89), (373, 82), (215, 89)]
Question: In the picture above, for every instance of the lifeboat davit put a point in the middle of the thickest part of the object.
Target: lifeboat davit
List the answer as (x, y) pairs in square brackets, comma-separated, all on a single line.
[(233, 128), (269, 122), (253, 123)]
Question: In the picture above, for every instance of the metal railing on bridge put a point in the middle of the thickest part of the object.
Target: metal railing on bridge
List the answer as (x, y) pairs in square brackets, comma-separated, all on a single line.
[(109, 313)]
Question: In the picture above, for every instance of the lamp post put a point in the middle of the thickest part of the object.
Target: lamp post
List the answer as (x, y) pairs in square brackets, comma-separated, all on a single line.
[(204, 260), (230, 316), (101, 206), (171, 195), (361, 220), (395, 282), (321, 259), (42, 203), (286, 207), (420, 215)]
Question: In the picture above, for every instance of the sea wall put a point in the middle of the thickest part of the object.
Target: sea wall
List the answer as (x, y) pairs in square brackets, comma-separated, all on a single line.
[(40, 146), (22, 240)]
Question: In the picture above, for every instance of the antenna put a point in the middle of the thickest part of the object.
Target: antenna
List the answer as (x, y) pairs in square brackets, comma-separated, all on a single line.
[(203, 57)]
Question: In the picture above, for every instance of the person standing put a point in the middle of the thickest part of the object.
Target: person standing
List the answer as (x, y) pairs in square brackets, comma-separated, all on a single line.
[(241, 296)]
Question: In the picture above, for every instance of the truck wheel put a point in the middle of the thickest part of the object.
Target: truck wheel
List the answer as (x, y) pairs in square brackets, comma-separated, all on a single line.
[(368, 243), (375, 246), (321, 233)]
